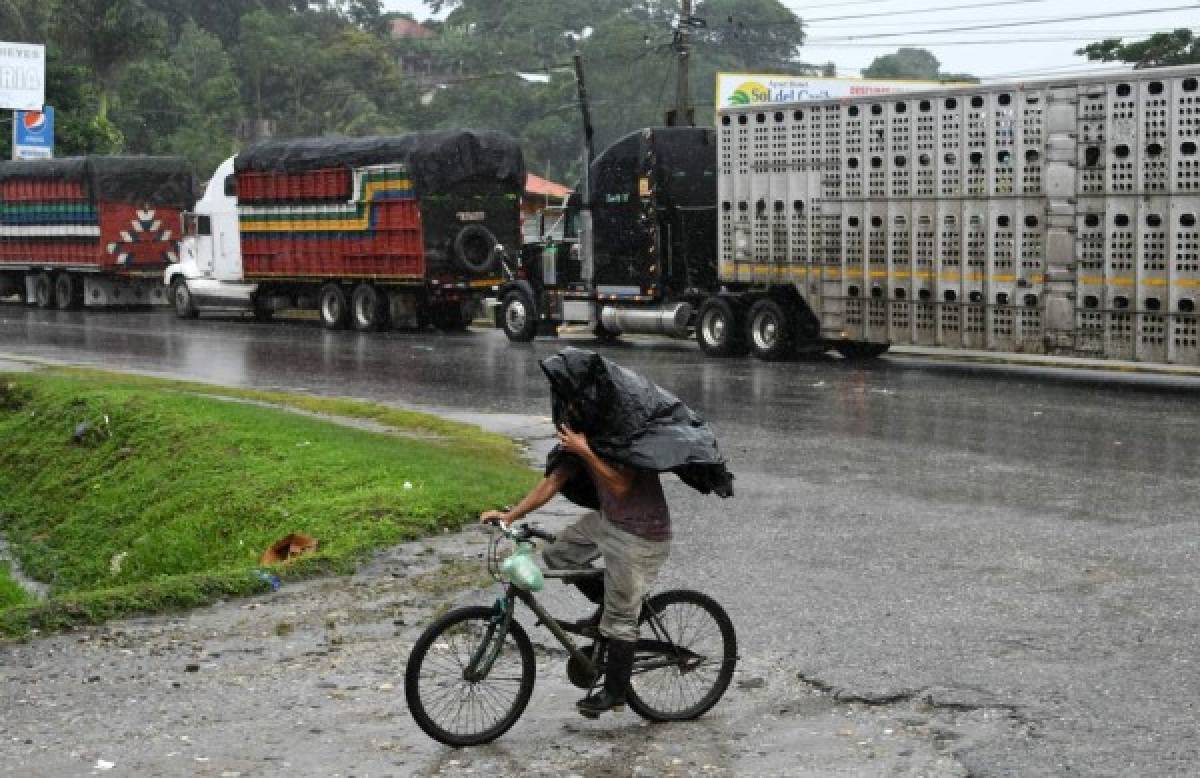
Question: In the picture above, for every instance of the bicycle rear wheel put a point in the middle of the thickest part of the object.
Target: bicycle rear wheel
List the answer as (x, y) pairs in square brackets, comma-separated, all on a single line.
[(460, 711), (684, 658)]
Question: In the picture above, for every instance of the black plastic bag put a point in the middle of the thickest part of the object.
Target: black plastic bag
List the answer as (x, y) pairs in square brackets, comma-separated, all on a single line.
[(631, 421)]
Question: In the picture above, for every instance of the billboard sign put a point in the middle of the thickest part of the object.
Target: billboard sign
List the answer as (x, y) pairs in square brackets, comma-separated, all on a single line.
[(22, 76), (33, 134), (738, 89)]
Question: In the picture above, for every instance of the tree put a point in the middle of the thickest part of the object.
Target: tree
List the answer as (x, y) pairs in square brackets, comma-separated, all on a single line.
[(913, 64), (187, 103), (1178, 47), (106, 35), (906, 63)]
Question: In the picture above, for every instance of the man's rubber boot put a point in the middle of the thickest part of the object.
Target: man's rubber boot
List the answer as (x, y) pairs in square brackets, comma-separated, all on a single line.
[(616, 680)]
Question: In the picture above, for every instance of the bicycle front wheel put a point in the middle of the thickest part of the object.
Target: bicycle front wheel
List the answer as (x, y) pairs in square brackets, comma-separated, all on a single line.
[(449, 698), (685, 657)]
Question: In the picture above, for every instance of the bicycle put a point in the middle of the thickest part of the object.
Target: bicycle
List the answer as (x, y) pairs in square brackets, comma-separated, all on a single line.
[(471, 673)]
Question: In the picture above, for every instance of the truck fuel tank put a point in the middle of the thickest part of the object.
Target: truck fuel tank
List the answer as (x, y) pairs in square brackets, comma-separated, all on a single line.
[(671, 320)]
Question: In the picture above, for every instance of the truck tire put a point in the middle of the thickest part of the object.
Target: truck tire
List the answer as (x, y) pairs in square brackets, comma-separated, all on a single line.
[(719, 330), (860, 351), (448, 317), (181, 298), (518, 317), (43, 290), (369, 308), (604, 334), (68, 292), (770, 331), (335, 309), (475, 249), (261, 308)]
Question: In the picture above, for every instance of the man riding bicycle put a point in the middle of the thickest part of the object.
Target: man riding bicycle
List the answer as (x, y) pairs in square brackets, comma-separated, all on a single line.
[(639, 430)]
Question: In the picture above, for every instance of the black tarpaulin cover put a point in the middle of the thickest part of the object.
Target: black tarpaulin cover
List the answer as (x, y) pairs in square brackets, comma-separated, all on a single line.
[(136, 180), (632, 421), (436, 160)]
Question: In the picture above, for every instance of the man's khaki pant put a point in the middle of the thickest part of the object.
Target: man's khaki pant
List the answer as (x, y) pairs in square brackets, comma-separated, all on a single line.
[(630, 567)]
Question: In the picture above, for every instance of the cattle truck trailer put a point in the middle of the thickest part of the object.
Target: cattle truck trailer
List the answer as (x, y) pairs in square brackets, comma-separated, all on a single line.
[(1054, 216), (372, 232), (95, 230)]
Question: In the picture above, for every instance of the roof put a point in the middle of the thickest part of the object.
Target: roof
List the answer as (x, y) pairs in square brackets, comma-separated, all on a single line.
[(407, 28), (539, 186)]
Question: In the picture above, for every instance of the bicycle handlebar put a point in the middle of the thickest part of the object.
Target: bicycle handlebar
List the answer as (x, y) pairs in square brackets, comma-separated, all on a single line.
[(522, 533)]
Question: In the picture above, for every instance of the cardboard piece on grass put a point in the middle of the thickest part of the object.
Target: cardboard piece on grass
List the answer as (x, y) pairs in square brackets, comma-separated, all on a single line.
[(287, 548)]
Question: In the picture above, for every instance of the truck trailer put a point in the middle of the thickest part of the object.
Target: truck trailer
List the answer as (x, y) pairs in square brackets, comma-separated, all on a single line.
[(372, 232), (1054, 216), (94, 231)]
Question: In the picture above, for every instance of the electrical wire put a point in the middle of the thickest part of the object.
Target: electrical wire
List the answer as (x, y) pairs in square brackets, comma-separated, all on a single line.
[(1001, 25), (911, 12), (981, 41)]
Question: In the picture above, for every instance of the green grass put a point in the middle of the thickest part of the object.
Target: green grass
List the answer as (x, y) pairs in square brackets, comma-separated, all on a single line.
[(186, 491), (10, 592)]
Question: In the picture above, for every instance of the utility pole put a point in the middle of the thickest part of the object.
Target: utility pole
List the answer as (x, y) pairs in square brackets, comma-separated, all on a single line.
[(683, 115)]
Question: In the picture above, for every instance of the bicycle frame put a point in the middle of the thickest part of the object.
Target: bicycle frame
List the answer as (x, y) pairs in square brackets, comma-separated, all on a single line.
[(489, 648)]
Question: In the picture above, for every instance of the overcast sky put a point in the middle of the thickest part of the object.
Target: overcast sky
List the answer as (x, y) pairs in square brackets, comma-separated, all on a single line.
[(1007, 52)]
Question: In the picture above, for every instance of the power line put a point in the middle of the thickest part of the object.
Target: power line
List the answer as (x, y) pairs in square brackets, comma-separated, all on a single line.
[(1001, 25), (990, 4), (974, 42)]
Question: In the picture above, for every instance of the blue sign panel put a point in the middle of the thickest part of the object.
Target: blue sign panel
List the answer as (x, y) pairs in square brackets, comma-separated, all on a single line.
[(33, 133)]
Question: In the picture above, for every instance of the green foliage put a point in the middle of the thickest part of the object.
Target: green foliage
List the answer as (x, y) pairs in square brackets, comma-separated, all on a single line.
[(174, 495), (912, 64), (182, 76), (1177, 47)]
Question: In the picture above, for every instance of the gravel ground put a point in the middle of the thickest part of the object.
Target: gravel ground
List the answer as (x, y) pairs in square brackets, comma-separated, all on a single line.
[(309, 681)]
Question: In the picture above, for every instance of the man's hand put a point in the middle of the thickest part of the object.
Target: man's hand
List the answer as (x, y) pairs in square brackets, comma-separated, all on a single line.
[(573, 442), (500, 516)]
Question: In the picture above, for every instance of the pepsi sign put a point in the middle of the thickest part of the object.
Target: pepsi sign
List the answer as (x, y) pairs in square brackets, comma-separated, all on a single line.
[(33, 133)]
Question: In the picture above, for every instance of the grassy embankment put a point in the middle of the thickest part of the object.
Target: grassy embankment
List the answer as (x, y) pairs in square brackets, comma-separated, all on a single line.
[(172, 496)]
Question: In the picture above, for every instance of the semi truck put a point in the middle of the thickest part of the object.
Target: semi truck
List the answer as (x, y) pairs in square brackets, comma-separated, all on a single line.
[(1053, 216), (94, 230), (639, 258), (371, 232)]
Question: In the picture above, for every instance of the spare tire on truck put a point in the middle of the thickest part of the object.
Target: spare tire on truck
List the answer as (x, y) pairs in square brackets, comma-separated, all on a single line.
[(475, 249)]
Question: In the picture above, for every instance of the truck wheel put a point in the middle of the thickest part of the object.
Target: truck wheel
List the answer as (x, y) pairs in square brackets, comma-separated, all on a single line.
[(448, 317), (718, 330), (181, 298), (475, 249), (518, 317), (858, 351), (43, 290), (335, 311), (369, 308), (604, 334), (68, 292), (769, 330), (262, 309)]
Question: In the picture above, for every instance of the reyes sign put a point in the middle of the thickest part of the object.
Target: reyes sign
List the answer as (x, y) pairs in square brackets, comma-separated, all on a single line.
[(734, 89), (33, 134), (22, 76)]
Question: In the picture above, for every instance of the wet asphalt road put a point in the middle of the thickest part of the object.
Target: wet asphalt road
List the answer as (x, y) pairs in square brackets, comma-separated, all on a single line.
[(1015, 541)]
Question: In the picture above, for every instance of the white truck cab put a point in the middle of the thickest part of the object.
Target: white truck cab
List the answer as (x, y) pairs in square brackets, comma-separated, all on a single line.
[(209, 272)]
